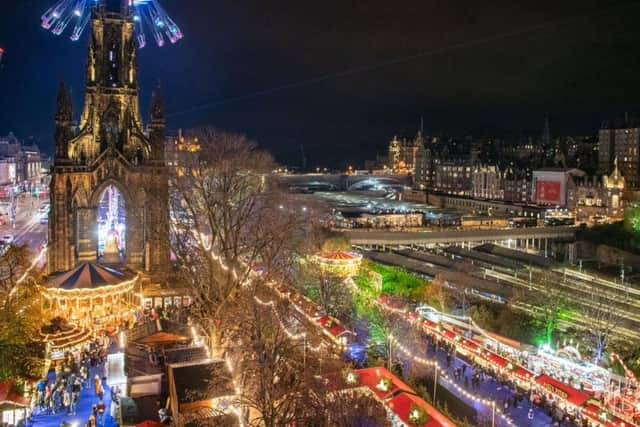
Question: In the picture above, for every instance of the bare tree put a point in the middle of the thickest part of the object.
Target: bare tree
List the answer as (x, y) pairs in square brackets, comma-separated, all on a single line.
[(604, 319), (437, 291), (228, 219)]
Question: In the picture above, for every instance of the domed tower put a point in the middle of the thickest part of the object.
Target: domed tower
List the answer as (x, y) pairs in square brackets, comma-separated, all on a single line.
[(109, 175)]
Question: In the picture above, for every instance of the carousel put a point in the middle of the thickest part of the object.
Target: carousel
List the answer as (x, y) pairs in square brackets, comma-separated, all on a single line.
[(92, 296), (339, 263)]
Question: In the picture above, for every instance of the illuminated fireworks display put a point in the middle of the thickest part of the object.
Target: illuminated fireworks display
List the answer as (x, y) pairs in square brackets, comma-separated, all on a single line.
[(147, 15)]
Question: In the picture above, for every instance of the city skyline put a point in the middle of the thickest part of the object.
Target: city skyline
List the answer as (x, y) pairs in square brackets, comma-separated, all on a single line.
[(486, 70)]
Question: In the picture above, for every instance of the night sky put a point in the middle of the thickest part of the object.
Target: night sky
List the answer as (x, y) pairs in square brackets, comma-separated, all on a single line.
[(341, 77)]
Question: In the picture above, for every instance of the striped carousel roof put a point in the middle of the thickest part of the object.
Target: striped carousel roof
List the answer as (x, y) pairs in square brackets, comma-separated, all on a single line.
[(339, 255), (87, 275)]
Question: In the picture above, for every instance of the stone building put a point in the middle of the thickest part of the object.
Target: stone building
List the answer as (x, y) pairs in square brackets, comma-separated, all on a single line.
[(620, 139), (109, 195), (487, 182), (403, 152)]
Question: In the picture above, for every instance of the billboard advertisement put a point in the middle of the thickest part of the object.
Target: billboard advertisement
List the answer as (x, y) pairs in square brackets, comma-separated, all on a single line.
[(548, 192)]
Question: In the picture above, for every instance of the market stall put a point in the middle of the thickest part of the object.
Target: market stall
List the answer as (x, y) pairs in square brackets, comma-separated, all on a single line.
[(566, 397), (598, 417), (14, 406)]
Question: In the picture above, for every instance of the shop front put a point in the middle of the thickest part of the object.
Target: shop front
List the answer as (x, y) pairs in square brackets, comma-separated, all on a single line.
[(14, 406), (565, 397), (156, 296)]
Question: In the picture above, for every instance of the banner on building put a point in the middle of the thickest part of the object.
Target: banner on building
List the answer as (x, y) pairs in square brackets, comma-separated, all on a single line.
[(548, 192)]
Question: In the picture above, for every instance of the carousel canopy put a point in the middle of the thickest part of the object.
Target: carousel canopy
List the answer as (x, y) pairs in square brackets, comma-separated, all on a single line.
[(87, 276)]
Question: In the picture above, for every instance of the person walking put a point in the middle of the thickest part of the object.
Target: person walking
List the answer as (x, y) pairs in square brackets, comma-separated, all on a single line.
[(66, 401), (101, 412), (97, 387)]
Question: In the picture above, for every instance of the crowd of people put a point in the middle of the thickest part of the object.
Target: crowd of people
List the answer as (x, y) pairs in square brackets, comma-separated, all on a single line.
[(471, 375), (82, 369)]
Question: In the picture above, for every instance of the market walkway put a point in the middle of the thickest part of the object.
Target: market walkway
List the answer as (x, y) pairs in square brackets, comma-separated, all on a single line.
[(85, 403), (491, 389)]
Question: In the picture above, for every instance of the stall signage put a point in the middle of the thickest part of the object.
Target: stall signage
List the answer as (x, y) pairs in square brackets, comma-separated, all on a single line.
[(555, 390)]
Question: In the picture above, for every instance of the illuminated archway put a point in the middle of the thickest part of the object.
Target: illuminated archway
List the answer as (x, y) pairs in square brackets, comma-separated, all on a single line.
[(112, 225)]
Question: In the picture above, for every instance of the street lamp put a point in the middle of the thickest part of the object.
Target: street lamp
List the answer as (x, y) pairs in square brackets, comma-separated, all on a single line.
[(493, 413)]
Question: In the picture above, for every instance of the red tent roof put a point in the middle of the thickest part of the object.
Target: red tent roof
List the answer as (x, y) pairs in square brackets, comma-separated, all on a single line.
[(494, 358), (7, 395), (562, 390), (336, 328), (448, 334), (592, 411), (469, 345), (523, 373), (429, 323), (338, 255), (370, 377), (401, 405)]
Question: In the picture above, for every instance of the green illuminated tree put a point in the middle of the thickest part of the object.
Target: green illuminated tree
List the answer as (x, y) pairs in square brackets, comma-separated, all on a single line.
[(550, 304)]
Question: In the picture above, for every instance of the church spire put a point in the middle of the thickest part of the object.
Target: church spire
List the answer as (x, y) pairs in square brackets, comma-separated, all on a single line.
[(157, 106), (64, 122), (64, 110), (156, 126)]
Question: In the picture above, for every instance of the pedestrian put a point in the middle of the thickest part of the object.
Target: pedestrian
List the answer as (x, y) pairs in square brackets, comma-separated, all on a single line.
[(66, 401), (101, 411), (466, 381), (97, 387), (55, 399), (464, 368)]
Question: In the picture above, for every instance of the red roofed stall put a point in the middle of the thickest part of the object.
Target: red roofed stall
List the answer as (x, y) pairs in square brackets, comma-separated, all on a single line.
[(333, 328), (399, 397), (494, 359), (595, 414), (372, 378), (563, 391), (403, 403), (13, 406)]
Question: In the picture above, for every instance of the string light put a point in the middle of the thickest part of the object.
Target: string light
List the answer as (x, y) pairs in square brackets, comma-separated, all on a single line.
[(443, 375), (290, 334)]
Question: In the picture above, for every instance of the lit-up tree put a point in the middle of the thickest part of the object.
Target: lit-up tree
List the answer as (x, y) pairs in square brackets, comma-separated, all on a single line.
[(603, 321), (550, 302), (328, 290), (229, 219), (20, 316)]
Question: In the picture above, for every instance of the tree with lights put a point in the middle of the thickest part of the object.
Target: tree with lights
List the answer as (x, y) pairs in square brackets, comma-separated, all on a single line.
[(550, 302), (20, 317), (604, 320), (229, 221)]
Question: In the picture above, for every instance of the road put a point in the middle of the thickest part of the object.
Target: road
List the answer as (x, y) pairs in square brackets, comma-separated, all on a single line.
[(27, 228)]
